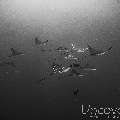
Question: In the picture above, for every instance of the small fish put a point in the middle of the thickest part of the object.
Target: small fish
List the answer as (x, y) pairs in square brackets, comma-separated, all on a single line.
[(75, 91), (15, 52)]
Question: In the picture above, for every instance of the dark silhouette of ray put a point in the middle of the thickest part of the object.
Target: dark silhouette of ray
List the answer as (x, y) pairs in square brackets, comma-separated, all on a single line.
[(11, 63), (39, 42), (15, 52), (95, 52)]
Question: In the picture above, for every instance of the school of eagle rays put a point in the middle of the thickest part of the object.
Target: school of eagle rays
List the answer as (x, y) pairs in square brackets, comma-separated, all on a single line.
[(72, 59)]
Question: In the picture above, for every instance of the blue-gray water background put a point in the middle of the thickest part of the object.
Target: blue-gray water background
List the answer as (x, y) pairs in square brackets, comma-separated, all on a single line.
[(93, 22)]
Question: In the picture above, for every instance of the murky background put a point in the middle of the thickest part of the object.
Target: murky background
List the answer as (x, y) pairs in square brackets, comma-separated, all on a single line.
[(61, 22)]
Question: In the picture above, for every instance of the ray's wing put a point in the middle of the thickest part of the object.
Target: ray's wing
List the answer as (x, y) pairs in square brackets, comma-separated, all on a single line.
[(97, 52), (94, 51), (109, 48)]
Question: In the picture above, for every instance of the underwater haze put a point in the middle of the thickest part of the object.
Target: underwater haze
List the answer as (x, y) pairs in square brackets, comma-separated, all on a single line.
[(57, 23)]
